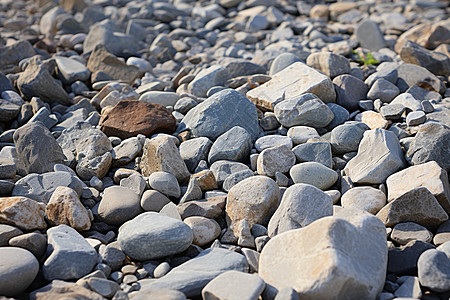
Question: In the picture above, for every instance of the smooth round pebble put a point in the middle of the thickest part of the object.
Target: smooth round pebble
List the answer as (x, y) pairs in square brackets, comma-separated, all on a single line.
[(205, 230), (315, 174), (365, 198)]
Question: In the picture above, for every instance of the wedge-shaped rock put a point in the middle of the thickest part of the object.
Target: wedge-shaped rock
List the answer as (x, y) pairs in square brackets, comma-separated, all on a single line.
[(293, 81), (417, 205), (341, 257), (22, 212)]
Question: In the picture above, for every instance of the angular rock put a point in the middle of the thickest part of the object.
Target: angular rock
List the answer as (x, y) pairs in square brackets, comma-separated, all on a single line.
[(347, 137), (403, 260), (194, 150), (58, 289), (270, 141), (329, 63), (234, 285), (349, 91), (223, 168), (22, 212), (235, 178), (384, 90), (277, 159), (315, 174), (234, 145), (207, 78), (370, 36), (435, 62), (15, 52), (372, 119), (319, 152), (118, 205), (410, 75), (364, 198), (71, 70), (434, 270)]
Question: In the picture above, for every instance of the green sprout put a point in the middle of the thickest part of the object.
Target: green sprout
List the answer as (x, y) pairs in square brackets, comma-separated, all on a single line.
[(367, 59)]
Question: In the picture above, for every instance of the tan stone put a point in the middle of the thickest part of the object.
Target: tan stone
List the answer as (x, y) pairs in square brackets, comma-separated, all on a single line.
[(161, 154), (428, 175), (372, 119), (22, 212), (206, 180), (205, 230), (122, 173), (73, 5), (339, 8), (65, 207), (365, 198), (319, 11), (426, 35)]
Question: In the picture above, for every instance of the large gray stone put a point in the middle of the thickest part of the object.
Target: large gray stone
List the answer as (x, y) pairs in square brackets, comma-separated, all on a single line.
[(301, 205), (349, 91), (329, 63), (219, 113), (194, 150), (235, 145), (276, 159), (70, 256), (315, 152), (192, 276), (434, 270), (370, 36), (71, 70), (410, 75), (346, 137), (152, 235), (435, 62), (283, 61)]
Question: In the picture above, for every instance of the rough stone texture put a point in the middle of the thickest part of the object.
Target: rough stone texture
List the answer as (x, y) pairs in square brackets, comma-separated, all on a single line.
[(434, 270), (372, 119), (403, 260), (194, 150), (37, 149), (161, 154), (152, 235), (277, 159), (428, 35), (301, 205), (14, 53), (314, 173), (235, 145), (333, 258), (70, 255), (65, 207), (410, 75), (347, 137), (417, 205), (428, 175), (22, 212), (118, 205), (431, 143), (165, 183), (329, 63), (223, 168), (291, 82), (365, 198), (435, 62), (207, 78), (58, 289), (130, 118), (221, 112), (349, 91), (234, 285), (191, 277), (379, 155)]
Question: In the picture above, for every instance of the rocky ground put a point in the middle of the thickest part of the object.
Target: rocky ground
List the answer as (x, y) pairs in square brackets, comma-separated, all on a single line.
[(224, 149)]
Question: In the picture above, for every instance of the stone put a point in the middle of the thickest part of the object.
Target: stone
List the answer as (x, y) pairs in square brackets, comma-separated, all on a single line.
[(34, 242), (340, 115), (278, 159), (428, 35), (364, 198), (152, 235), (161, 270), (235, 145), (193, 192), (434, 270), (206, 180), (234, 285), (221, 112), (129, 118), (112, 255), (71, 70), (207, 78), (104, 287), (370, 36), (301, 134), (65, 207), (347, 137), (431, 143), (194, 150), (329, 63), (126, 151), (283, 61), (435, 62), (392, 111), (59, 289), (270, 141), (37, 149), (403, 233), (428, 175), (118, 205), (349, 91), (70, 255), (384, 90), (301, 205), (8, 110), (416, 118), (165, 183), (361, 269), (409, 289), (410, 75), (418, 205), (223, 168), (208, 208), (305, 110), (254, 199), (18, 269), (22, 212), (319, 152), (161, 98), (379, 155), (8, 232), (161, 154), (315, 174), (407, 100), (13, 53), (163, 294), (7, 168), (235, 178), (191, 277), (403, 260), (205, 230), (291, 82)]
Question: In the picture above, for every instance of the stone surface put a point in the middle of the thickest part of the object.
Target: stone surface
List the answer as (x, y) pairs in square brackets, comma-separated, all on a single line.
[(329, 63), (277, 159), (58, 289), (403, 233), (435, 62), (370, 36), (347, 137), (314, 152), (118, 205), (205, 230), (223, 168), (314, 173), (403, 260), (235, 145), (349, 91), (34, 242), (365, 198), (194, 150), (22, 212), (434, 270)]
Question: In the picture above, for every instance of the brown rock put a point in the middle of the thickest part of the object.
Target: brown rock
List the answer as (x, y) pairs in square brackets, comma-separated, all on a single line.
[(101, 60), (65, 207), (209, 208), (426, 35), (130, 118), (372, 119), (22, 212), (206, 180)]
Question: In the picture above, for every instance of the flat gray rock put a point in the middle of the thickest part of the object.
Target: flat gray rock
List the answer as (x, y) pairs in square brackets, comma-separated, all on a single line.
[(349, 91), (314, 152)]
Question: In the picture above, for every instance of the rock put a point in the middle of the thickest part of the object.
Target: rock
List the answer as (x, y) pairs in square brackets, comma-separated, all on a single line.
[(306, 110), (347, 137), (301, 205), (153, 201), (235, 145), (288, 84), (222, 169), (277, 159), (126, 151), (340, 115), (8, 110), (428, 175), (193, 192), (58, 289), (234, 285), (112, 255), (104, 287), (319, 152), (427, 35), (41, 187), (349, 91), (37, 149), (194, 150), (207, 78), (403, 233), (369, 35), (283, 61), (364, 198), (315, 174), (221, 112), (118, 205), (161, 154), (18, 268), (191, 277), (235, 178), (329, 240), (7, 168), (161, 98), (152, 235), (410, 75), (431, 143), (71, 70), (15, 52), (384, 90), (435, 62), (205, 230), (34, 242), (270, 141), (70, 255), (409, 289), (379, 155), (417, 205), (403, 260), (416, 118), (163, 294), (206, 180), (329, 63), (130, 118), (254, 199), (407, 100), (301, 134), (8, 232), (22, 212), (392, 111), (434, 270), (211, 208), (65, 207), (165, 183)]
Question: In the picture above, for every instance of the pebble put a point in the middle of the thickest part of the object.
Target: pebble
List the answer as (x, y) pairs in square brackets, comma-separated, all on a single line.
[(403, 233), (365, 198), (234, 145), (434, 270), (165, 183), (277, 159), (315, 174), (118, 205)]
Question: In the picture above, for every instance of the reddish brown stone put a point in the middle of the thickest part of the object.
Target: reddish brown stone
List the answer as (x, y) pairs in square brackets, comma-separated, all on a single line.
[(130, 118)]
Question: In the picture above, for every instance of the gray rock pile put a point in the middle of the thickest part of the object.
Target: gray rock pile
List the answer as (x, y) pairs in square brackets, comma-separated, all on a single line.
[(224, 149)]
